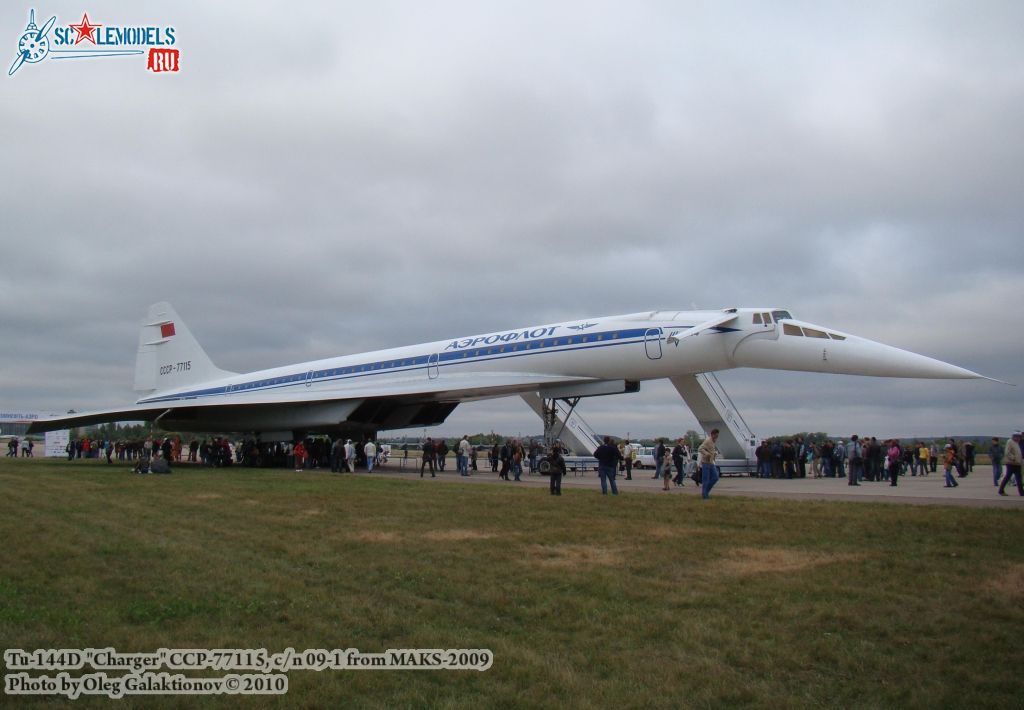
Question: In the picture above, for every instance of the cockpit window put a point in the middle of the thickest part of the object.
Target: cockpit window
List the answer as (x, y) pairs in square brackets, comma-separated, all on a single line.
[(790, 329), (757, 319), (782, 315), (768, 318), (812, 333), (836, 337)]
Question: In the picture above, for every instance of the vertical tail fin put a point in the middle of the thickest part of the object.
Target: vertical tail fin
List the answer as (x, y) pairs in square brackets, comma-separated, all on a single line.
[(169, 356)]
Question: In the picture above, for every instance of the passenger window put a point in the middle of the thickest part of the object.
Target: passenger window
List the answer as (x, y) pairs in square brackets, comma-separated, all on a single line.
[(811, 333), (790, 329)]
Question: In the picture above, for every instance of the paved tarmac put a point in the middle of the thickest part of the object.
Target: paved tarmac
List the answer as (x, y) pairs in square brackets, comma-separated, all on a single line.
[(975, 490)]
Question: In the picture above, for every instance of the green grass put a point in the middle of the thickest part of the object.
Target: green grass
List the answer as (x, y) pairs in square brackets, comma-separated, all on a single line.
[(635, 601)]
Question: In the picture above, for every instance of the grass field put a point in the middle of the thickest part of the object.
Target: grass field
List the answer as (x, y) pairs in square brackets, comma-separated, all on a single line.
[(586, 601)]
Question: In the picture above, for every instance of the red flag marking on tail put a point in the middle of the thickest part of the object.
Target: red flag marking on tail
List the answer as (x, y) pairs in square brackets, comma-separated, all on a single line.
[(166, 330)]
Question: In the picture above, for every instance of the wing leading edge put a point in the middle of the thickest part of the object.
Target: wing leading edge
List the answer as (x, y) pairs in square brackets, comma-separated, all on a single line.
[(452, 388)]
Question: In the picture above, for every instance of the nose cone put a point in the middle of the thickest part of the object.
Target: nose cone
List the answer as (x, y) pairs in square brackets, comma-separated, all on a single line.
[(866, 357), (811, 348)]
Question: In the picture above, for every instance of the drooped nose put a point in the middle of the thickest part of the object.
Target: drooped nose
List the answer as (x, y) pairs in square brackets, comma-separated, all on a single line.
[(811, 348)]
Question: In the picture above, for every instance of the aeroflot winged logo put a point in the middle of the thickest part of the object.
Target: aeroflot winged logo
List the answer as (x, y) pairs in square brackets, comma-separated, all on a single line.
[(89, 39)]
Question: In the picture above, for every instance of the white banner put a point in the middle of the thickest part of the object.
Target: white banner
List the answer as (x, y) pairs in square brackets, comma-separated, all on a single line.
[(57, 443)]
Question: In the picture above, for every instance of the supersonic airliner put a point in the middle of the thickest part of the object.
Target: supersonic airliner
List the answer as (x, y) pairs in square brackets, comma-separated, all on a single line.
[(419, 385)]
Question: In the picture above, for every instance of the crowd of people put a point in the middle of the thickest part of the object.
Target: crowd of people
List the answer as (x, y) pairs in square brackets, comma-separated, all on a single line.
[(27, 445), (855, 459), (874, 460)]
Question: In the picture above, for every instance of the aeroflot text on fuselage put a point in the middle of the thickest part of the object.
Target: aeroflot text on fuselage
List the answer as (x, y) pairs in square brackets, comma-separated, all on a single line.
[(502, 337)]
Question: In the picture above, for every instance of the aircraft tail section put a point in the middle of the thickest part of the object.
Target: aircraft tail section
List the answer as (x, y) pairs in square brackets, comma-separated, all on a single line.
[(169, 356)]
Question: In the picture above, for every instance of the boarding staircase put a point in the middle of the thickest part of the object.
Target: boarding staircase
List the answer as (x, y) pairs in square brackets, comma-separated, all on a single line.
[(703, 394), (714, 409), (563, 423)]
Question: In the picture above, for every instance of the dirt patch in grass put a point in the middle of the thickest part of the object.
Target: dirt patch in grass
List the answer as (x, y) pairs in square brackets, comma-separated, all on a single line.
[(752, 560), (457, 535), (374, 536), (207, 496), (665, 532), (572, 556), (311, 512), (1010, 583)]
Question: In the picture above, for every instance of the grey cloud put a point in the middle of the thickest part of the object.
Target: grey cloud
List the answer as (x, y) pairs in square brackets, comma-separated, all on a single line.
[(360, 176)]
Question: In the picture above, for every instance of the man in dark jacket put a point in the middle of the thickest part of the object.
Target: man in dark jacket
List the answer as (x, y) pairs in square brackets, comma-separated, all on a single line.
[(557, 470), (607, 456), (679, 456), (166, 449), (429, 456)]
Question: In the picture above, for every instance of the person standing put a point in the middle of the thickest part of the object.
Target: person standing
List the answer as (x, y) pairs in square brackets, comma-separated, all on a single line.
[(1012, 459), (299, 452), (607, 455), (895, 453), (877, 455), (350, 456), (659, 458), (442, 454), (826, 458), (429, 456), (557, 470), (801, 457), (666, 470), (370, 450), (707, 454), (839, 455), (506, 460), (789, 458), (922, 458), (776, 458), (948, 458), (995, 453), (764, 459), (337, 455), (679, 456), (463, 456), (627, 458), (814, 451), (856, 462), (961, 457)]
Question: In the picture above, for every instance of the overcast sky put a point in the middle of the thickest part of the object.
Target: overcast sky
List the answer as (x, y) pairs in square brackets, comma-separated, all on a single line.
[(328, 178)]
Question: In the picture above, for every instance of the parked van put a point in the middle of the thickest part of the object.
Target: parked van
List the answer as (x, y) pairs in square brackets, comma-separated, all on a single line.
[(644, 456)]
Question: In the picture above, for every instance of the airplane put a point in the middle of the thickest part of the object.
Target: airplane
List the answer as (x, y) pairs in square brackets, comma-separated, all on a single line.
[(420, 385)]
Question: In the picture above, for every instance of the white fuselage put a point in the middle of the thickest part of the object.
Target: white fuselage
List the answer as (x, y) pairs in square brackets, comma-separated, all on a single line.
[(630, 347), (420, 385)]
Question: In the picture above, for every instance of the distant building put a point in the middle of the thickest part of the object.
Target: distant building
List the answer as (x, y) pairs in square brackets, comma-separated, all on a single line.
[(16, 423)]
